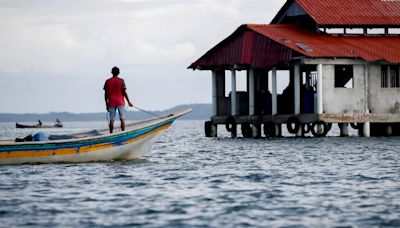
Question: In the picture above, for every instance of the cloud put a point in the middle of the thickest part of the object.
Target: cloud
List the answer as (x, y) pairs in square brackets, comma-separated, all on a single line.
[(152, 40)]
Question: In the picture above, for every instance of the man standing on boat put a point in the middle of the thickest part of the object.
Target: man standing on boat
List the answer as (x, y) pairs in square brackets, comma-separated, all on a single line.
[(115, 95)]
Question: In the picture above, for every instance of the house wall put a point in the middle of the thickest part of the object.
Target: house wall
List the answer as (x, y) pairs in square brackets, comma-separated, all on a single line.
[(343, 100), (382, 100), (352, 100)]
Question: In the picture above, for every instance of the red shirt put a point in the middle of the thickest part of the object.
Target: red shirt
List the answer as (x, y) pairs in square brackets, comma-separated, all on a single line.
[(115, 91)]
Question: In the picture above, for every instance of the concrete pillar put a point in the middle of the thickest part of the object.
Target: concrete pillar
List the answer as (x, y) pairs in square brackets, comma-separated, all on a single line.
[(297, 89), (233, 101), (366, 129), (320, 129), (297, 82), (214, 130), (256, 130), (319, 89), (214, 93), (252, 99), (274, 93), (233, 93), (344, 129), (300, 132), (275, 101), (389, 130), (251, 92)]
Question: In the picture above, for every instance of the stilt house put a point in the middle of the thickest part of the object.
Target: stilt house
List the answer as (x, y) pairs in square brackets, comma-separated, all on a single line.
[(342, 58)]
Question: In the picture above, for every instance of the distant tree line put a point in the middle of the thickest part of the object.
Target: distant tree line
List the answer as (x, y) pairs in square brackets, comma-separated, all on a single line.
[(200, 112)]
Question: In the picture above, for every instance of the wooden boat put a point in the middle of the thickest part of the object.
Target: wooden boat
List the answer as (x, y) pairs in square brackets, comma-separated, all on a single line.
[(92, 146), (17, 125)]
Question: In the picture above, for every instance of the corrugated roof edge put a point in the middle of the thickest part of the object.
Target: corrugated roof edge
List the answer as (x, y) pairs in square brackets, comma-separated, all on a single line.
[(241, 27)]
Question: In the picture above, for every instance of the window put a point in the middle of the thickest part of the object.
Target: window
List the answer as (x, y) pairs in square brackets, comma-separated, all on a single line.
[(361, 31), (390, 76), (335, 30), (394, 31), (356, 31), (344, 76), (310, 80), (375, 31)]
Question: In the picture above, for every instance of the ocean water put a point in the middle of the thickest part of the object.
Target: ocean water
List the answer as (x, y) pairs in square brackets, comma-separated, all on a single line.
[(188, 180)]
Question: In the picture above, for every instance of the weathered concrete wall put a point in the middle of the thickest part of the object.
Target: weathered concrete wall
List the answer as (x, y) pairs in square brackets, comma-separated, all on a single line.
[(343, 100), (382, 100)]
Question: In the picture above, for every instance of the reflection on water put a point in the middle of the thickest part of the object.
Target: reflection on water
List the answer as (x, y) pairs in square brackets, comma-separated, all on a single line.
[(189, 180)]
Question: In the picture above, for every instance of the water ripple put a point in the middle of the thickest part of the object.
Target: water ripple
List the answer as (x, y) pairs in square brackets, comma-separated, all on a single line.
[(188, 180)]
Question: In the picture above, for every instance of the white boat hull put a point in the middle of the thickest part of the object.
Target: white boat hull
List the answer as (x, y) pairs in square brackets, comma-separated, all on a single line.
[(135, 150), (129, 145)]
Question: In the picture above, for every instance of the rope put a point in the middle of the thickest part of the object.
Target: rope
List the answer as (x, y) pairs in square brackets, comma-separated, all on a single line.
[(145, 111)]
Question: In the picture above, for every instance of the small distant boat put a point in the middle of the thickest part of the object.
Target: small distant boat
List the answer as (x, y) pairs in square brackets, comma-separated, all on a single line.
[(93, 146), (57, 125)]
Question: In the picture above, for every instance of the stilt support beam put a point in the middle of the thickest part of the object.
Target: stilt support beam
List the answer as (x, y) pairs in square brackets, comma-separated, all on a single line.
[(233, 93), (319, 89)]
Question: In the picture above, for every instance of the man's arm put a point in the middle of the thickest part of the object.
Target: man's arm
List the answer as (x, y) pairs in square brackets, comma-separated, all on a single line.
[(105, 94), (127, 98), (106, 100), (125, 93)]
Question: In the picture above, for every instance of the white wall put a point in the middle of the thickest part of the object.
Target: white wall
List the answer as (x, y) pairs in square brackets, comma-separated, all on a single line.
[(352, 100), (382, 100), (343, 100)]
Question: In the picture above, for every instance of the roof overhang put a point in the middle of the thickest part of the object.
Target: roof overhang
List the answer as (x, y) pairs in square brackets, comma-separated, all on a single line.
[(264, 46), (244, 48)]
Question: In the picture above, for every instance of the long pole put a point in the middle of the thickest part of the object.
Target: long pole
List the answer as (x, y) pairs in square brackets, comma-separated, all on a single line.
[(146, 111)]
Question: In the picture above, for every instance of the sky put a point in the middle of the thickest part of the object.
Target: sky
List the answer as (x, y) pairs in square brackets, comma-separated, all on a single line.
[(56, 54)]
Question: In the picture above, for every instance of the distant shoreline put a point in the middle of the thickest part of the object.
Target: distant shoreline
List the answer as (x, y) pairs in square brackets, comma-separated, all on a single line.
[(200, 112)]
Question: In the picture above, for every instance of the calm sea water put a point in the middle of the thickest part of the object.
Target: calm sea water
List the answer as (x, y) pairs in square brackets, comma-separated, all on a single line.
[(188, 180)]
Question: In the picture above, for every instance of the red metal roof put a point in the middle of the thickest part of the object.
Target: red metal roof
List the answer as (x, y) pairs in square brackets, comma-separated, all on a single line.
[(267, 45), (370, 48), (244, 47), (353, 12)]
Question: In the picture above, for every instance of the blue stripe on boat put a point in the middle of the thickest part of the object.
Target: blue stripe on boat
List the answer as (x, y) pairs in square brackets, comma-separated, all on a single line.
[(114, 139)]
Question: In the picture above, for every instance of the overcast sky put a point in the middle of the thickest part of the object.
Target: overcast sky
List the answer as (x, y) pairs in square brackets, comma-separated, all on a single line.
[(56, 54)]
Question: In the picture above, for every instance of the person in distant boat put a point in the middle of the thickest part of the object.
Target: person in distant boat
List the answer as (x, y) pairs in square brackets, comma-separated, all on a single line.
[(58, 122), (39, 123), (115, 95)]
